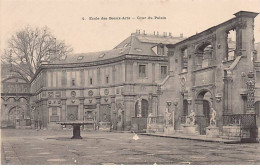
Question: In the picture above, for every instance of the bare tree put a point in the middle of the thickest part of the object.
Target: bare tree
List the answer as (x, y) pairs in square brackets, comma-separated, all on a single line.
[(29, 47)]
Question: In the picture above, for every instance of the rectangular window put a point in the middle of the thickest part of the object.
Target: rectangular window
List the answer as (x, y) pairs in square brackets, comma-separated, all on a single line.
[(90, 81), (64, 78), (163, 71), (142, 71), (54, 111), (73, 82), (160, 50), (107, 79)]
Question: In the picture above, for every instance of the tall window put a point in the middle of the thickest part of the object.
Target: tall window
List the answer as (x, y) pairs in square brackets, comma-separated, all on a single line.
[(64, 78), (73, 82), (163, 71), (231, 45), (90, 81), (54, 111), (142, 71), (107, 79), (184, 57)]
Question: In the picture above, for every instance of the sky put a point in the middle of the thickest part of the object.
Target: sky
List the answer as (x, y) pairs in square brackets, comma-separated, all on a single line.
[(64, 18)]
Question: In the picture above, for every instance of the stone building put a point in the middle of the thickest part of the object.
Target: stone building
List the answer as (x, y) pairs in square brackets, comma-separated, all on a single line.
[(215, 69), (208, 84), (109, 89), (15, 100)]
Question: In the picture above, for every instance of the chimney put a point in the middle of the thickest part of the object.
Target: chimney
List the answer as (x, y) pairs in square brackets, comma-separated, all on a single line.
[(153, 32), (136, 31), (139, 31), (144, 32), (157, 33), (181, 35), (170, 34)]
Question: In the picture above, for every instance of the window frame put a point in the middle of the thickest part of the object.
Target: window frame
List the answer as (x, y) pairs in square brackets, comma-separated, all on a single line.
[(166, 71), (141, 74)]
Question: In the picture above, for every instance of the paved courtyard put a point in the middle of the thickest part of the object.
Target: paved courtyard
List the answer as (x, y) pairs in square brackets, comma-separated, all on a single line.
[(29, 147)]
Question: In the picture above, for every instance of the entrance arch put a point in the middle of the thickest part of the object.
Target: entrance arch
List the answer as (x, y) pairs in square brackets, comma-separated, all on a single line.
[(143, 110), (15, 116), (203, 105)]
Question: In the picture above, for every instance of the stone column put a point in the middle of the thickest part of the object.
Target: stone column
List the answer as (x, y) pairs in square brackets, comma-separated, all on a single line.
[(113, 112), (45, 113), (227, 98), (63, 110), (81, 108), (150, 104), (98, 99), (175, 114), (129, 112), (155, 105)]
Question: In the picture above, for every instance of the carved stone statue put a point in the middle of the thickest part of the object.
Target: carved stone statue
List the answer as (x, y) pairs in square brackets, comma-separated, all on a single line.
[(190, 119), (213, 118), (139, 108), (150, 119)]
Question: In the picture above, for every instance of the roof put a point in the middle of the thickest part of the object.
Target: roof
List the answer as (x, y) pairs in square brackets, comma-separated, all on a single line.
[(136, 44)]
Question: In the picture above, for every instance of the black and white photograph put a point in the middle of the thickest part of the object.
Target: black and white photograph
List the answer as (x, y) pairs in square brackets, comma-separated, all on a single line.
[(130, 82)]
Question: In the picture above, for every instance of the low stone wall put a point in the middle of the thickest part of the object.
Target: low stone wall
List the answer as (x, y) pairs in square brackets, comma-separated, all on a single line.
[(212, 131), (231, 132), (54, 126), (155, 128), (105, 126), (189, 129)]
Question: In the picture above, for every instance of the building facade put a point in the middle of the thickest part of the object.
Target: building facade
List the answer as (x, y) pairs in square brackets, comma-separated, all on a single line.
[(215, 70), (209, 81), (15, 100), (115, 89)]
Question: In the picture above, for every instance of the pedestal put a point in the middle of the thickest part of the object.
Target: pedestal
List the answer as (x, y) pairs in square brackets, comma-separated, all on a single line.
[(212, 131), (76, 132), (105, 126), (169, 130), (189, 129)]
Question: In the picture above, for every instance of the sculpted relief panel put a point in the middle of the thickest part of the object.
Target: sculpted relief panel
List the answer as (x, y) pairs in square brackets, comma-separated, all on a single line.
[(204, 77), (15, 88)]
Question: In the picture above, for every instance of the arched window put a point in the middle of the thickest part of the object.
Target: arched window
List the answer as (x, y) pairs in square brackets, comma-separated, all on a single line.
[(184, 58), (204, 55)]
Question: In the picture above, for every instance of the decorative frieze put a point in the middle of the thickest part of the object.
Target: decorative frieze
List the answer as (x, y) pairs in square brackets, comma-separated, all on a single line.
[(250, 92)]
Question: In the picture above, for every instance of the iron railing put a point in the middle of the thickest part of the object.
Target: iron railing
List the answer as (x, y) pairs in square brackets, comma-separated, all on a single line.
[(243, 120), (247, 124)]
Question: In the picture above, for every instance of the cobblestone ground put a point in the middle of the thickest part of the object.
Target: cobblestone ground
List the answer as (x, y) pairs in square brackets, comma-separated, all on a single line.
[(31, 147)]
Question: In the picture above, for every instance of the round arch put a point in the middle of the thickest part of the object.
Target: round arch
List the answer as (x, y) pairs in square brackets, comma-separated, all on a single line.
[(200, 95), (144, 108), (202, 46)]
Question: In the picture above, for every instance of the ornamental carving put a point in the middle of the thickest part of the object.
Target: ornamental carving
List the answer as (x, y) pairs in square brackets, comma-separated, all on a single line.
[(250, 91), (90, 93), (106, 91), (50, 94), (58, 94), (73, 93)]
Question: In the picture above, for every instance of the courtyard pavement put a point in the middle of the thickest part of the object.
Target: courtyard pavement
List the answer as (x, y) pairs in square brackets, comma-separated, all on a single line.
[(46, 147)]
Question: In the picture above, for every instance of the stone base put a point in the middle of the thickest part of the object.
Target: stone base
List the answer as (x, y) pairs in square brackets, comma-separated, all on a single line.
[(232, 131), (104, 126), (190, 129), (155, 128), (212, 131), (169, 130)]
